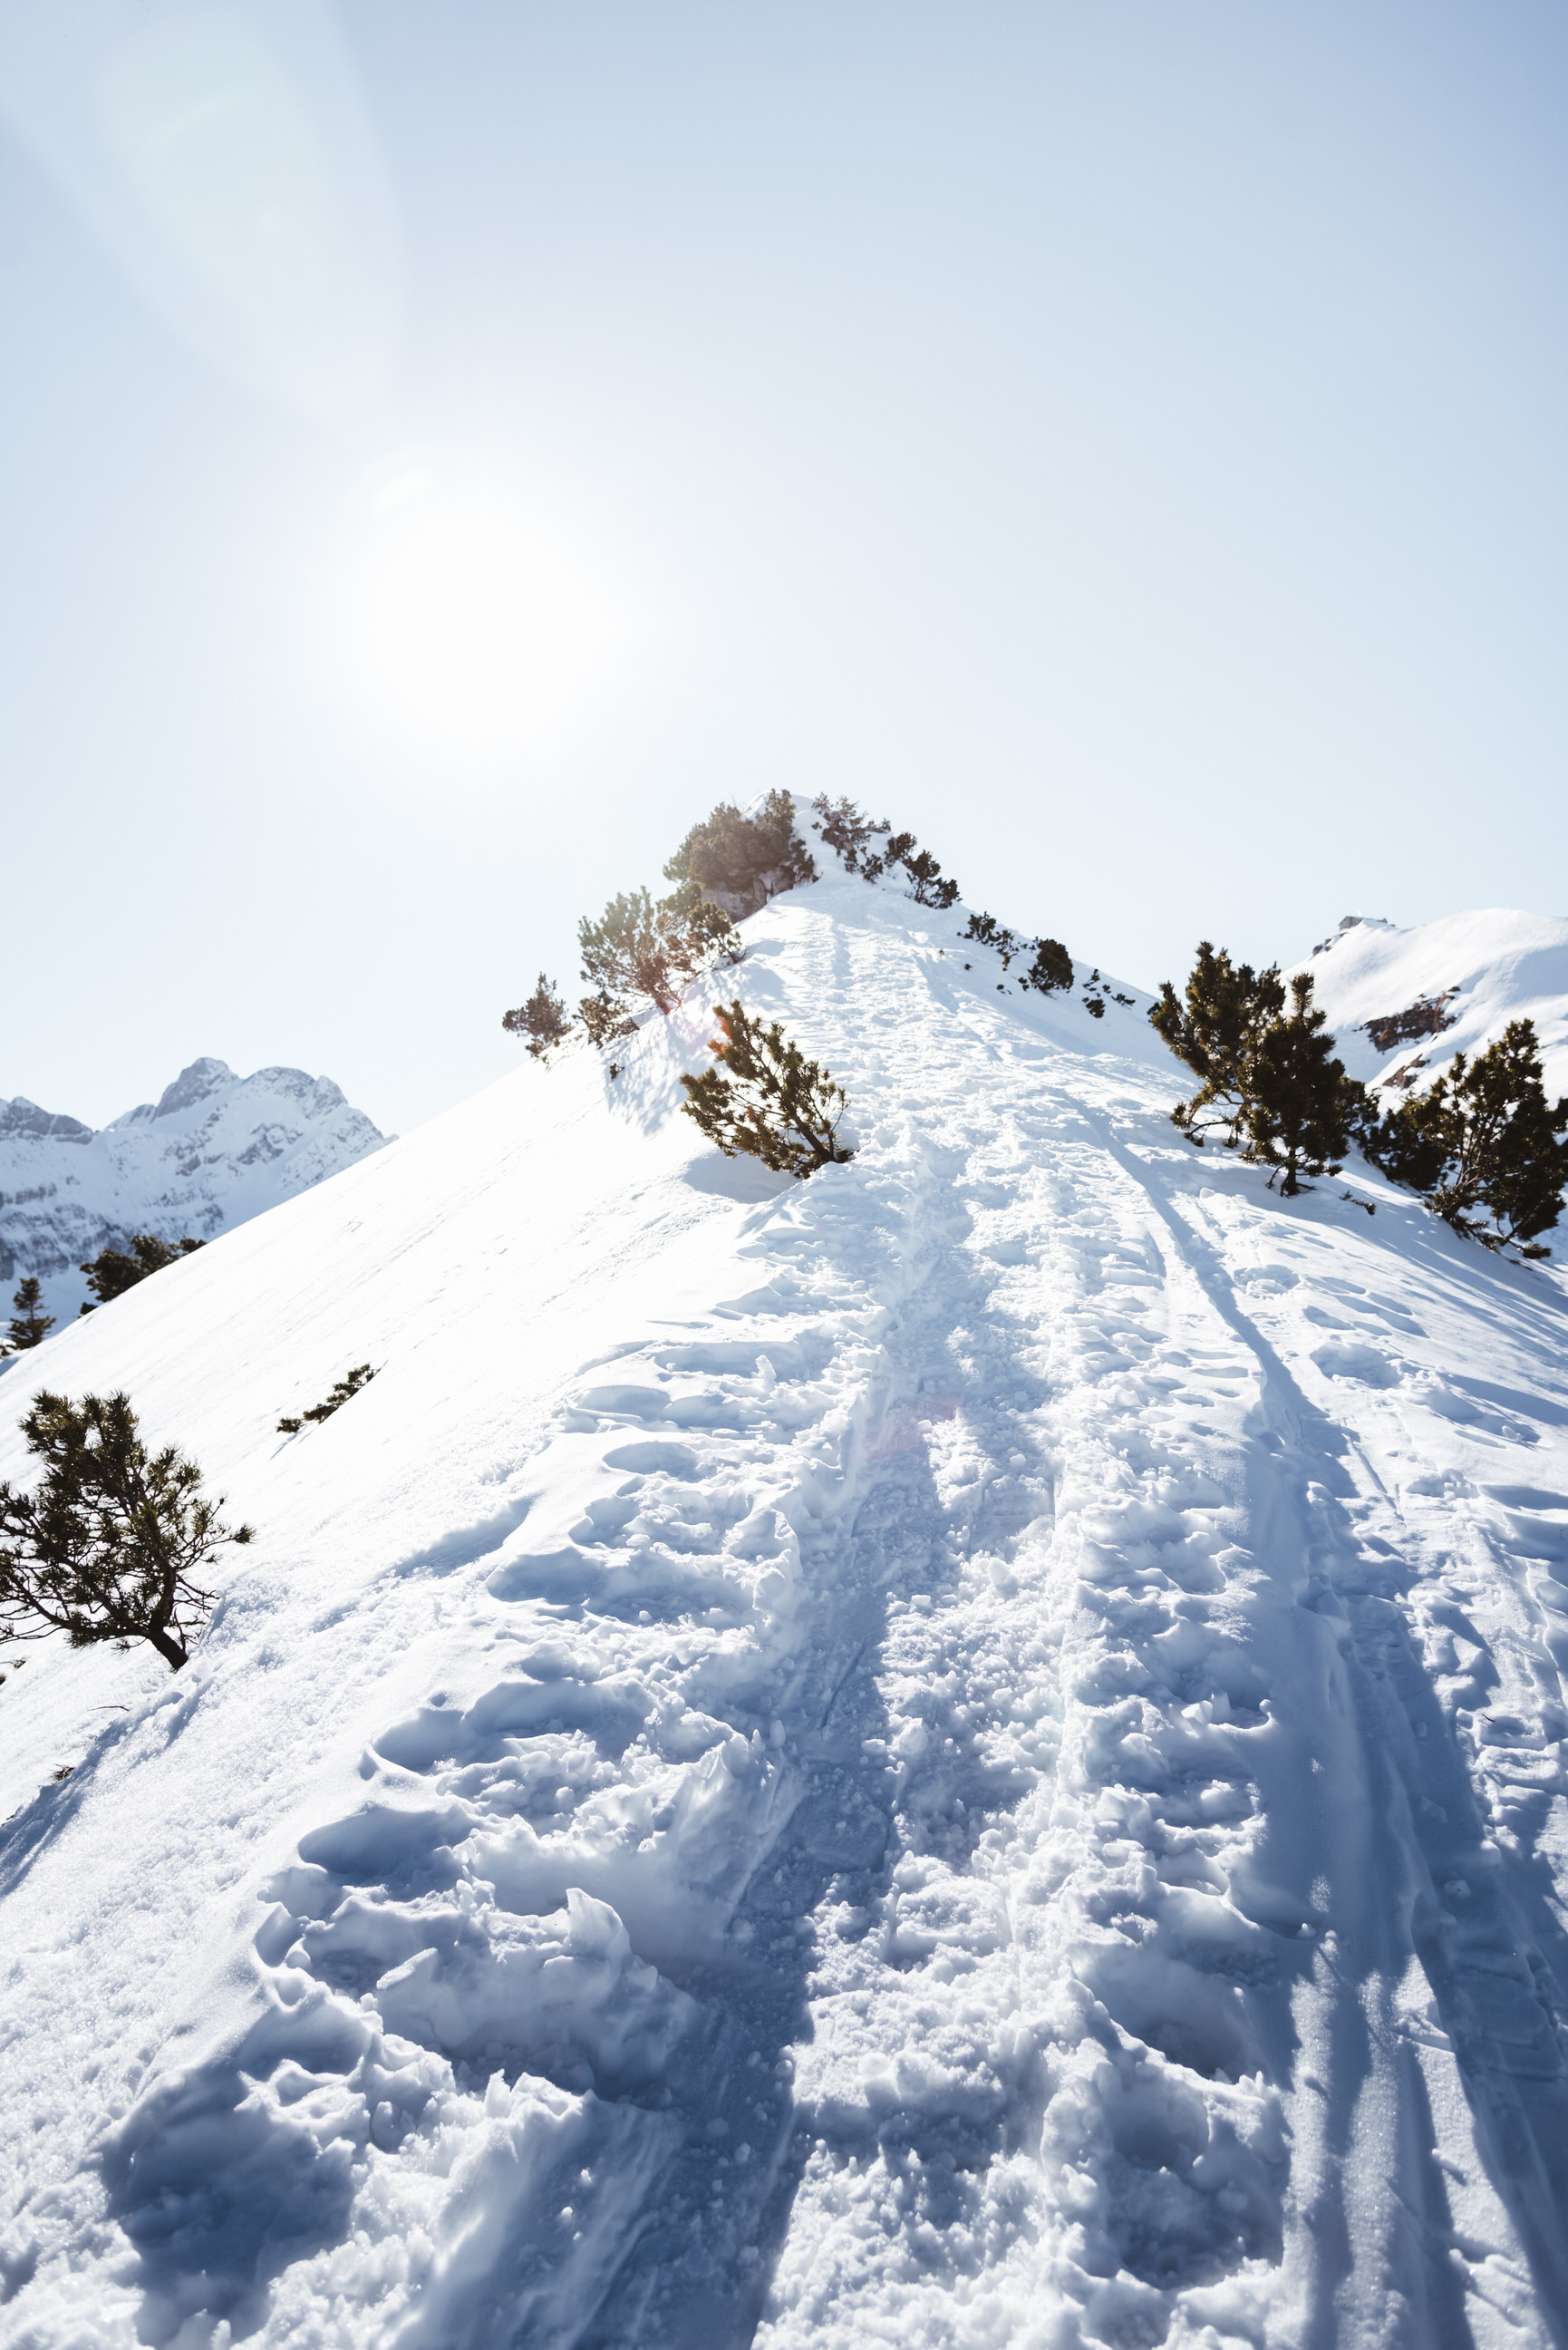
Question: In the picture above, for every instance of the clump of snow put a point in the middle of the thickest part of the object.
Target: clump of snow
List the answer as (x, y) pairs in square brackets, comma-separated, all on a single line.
[(213, 1151), (965, 1753)]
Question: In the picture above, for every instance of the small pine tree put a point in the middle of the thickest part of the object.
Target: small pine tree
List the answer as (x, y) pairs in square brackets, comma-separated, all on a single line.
[(1483, 1137), (987, 931), (544, 1020), (1051, 967), (31, 1325), (843, 829), (604, 1019), (744, 858), (762, 1099), (929, 888), (1216, 1031), (107, 1546), (114, 1271), (1271, 1086), (344, 1390), (636, 948), (1303, 1105)]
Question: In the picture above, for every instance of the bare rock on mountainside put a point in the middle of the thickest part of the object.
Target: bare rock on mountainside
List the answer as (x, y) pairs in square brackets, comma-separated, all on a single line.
[(213, 1151)]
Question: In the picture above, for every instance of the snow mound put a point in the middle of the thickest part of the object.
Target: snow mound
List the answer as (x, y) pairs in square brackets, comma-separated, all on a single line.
[(1464, 978), (214, 1150), (965, 1753)]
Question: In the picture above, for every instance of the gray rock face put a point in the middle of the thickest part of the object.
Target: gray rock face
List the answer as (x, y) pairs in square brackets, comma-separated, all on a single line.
[(213, 1151)]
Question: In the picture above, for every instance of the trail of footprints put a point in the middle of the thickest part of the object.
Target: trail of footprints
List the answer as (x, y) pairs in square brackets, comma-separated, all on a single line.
[(879, 1830)]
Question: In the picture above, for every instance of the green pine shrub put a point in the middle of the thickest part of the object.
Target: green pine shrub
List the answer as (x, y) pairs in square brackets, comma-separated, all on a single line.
[(31, 1325), (1482, 1147), (114, 1271), (108, 1544), (763, 1099), (543, 1020), (639, 949), (845, 830), (1051, 967), (1271, 1086), (742, 861), (346, 1390)]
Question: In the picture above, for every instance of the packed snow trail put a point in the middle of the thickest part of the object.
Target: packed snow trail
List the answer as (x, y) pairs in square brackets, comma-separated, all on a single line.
[(966, 1754)]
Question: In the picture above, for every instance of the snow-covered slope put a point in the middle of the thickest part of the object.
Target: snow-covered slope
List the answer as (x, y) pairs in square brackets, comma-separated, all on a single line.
[(213, 1151), (1450, 986), (965, 1753)]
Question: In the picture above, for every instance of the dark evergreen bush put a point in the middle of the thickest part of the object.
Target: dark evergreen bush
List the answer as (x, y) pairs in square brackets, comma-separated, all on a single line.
[(544, 1020), (114, 1271), (764, 1099), (346, 1390), (843, 829), (31, 1325), (1051, 967), (987, 931), (636, 948), (744, 860), (1271, 1086), (1483, 1146), (604, 1019), (929, 888), (108, 1546)]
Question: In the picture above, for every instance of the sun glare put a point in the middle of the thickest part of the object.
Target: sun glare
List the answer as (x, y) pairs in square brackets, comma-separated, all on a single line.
[(469, 620)]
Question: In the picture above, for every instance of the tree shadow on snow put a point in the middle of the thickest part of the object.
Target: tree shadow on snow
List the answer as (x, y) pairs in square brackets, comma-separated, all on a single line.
[(1372, 1836)]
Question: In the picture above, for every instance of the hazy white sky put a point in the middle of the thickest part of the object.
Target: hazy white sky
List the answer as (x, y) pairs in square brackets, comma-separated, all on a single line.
[(446, 449)]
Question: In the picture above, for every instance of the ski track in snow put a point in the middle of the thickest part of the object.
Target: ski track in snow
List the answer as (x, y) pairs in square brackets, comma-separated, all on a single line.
[(997, 1781)]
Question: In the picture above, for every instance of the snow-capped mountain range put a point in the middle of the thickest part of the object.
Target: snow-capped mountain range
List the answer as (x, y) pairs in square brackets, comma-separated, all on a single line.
[(213, 1151), (966, 1754)]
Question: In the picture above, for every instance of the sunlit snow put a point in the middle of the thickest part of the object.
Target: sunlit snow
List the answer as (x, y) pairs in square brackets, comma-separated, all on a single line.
[(964, 1753)]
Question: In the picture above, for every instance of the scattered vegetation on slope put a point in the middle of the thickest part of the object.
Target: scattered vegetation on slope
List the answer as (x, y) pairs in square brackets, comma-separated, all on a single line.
[(346, 1390), (108, 1546), (1051, 967), (764, 1099), (646, 949), (1482, 1146), (852, 836), (114, 1271)]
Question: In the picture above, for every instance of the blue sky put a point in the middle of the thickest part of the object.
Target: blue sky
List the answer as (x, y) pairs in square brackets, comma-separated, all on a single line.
[(1122, 443)]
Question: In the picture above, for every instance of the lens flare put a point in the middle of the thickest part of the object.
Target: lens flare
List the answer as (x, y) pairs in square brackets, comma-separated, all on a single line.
[(469, 620)]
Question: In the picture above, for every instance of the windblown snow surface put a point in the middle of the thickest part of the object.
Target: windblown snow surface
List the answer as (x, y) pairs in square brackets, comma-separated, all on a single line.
[(964, 1753)]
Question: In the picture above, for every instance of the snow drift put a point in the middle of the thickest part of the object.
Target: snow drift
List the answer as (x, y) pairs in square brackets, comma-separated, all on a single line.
[(967, 1753), (213, 1151)]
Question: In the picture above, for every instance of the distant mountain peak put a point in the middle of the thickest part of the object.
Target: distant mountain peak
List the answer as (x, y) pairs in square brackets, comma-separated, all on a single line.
[(195, 1084), (213, 1151)]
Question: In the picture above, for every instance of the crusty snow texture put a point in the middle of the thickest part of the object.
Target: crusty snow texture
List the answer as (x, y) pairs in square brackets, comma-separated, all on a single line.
[(963, 1754)]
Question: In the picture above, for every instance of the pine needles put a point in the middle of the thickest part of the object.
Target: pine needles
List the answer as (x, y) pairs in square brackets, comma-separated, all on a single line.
[(109, 1546), (763, 1099)]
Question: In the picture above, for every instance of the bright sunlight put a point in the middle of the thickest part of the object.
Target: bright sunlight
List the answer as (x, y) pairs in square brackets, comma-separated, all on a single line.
[(470, 620)]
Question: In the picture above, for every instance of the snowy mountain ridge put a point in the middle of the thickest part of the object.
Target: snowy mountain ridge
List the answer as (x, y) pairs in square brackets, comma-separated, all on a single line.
[(213, 1151), (968, 1753), (1475, 972)]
